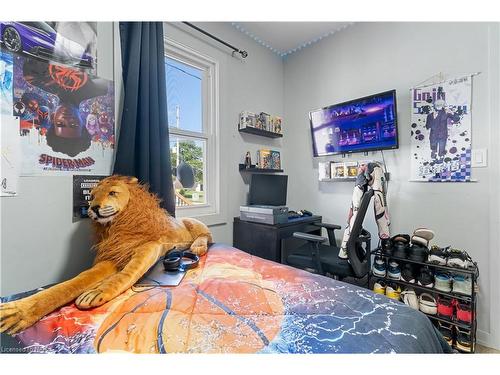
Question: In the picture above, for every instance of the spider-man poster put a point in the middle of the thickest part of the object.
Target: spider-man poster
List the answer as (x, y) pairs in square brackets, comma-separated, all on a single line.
[(66, 119)]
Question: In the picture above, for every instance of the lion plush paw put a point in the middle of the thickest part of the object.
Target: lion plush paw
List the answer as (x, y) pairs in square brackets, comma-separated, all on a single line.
[(92, 298), (16, 316), (199, 246)]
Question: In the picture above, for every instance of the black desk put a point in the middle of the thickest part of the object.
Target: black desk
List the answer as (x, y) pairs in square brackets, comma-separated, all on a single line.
[(270, 241)]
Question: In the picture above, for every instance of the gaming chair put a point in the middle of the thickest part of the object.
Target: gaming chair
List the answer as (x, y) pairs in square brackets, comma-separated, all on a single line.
[(323, 258)]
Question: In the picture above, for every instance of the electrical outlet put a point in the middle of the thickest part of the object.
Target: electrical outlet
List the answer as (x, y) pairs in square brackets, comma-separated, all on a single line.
[(479, 158)]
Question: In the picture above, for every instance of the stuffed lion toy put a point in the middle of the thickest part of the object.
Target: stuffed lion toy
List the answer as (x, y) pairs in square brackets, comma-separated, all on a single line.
[(132, 233)]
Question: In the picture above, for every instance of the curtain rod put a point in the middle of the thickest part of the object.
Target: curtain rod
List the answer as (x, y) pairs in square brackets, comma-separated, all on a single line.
[(243, 53)]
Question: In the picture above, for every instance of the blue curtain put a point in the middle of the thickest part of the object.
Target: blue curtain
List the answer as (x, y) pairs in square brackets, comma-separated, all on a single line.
[(143, 144)]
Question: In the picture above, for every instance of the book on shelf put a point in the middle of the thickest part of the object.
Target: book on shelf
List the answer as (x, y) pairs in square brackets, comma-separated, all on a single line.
[(268, 159), (324, 170), (262, 121)]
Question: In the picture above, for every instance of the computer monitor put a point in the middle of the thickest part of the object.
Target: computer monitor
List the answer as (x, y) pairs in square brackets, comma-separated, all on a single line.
[(268, 190)]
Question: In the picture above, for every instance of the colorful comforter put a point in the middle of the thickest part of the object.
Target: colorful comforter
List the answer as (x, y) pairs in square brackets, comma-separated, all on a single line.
[(237, 303)]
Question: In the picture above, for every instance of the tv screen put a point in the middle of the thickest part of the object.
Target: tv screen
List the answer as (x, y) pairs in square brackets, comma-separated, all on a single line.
[(360, 125), (268, 190)]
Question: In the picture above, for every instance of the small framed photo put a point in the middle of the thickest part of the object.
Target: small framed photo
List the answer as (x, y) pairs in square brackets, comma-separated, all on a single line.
[(337, 170), (351, 169)]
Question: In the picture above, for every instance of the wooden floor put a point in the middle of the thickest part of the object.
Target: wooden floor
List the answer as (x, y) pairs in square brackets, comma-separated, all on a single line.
[(484, 349)]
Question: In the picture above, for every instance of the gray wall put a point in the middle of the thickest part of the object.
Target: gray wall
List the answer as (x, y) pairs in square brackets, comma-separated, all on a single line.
[(373, 57), (40, 244)]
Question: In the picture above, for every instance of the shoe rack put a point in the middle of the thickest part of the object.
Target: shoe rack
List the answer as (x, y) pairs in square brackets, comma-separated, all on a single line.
[(472, 271)]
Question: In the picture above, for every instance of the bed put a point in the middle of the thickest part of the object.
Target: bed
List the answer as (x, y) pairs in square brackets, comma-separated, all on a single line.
[(237, 303)]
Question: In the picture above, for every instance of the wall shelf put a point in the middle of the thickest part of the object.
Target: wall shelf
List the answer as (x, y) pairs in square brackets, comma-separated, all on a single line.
[(254, 169), (338, 179), (261, 132)]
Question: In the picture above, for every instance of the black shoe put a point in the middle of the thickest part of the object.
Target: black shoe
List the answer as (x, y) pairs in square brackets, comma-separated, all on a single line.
[(400, 250), (408, 274), (464, 342), (458, 258), (400, 245), (426, 277), (386, 246), (446, 330), (418, 253)]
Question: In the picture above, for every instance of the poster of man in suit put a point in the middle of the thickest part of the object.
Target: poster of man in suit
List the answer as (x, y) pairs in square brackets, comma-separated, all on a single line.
[(441, 131)]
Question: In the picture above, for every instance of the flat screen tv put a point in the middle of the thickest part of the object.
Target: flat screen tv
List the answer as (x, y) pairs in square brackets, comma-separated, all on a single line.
[(360, 125)]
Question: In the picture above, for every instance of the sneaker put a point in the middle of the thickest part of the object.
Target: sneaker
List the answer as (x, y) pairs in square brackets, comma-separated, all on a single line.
[(386, 246), (438, 255), (379, 287), (442, 282), (446, 330), (463, 341), (462, 284), (393, 291), (464, 313), (422, 236), (418, 253), (379, 268), (445, 308), (409, 297), (427, 304), (415, 240), (426, 277), (425, 233), (393, 271), (400, 245), (407, 274), (458, 258)]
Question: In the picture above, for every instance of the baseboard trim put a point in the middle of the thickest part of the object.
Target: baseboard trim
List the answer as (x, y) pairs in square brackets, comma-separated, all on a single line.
[(487, 339)]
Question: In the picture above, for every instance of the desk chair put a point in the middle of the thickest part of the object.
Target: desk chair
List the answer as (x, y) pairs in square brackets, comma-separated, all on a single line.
[(323, 258)]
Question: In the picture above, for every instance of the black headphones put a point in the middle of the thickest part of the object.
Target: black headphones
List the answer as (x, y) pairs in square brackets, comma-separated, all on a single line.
[(180, 261)]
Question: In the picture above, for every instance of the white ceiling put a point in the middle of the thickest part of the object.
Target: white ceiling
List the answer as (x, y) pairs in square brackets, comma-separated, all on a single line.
[(284, 38)]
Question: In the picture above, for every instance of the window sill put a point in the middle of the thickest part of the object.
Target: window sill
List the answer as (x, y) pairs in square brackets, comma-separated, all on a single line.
[(209, 219)]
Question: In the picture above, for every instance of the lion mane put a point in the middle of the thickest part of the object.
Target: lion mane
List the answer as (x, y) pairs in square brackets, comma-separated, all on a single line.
[(141, 221)]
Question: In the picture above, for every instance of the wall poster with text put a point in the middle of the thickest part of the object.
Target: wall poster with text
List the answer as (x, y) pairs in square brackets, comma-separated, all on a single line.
[(82, 186), (441, 131), (66, 119)]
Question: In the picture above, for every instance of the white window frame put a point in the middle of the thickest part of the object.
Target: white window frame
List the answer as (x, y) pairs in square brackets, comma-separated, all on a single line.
[(211, 212)]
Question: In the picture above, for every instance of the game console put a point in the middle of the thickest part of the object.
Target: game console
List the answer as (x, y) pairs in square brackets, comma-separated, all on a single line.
[(264, 214)]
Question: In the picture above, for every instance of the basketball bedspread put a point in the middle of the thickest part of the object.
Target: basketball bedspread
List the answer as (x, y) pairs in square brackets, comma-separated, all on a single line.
[(237, 303)]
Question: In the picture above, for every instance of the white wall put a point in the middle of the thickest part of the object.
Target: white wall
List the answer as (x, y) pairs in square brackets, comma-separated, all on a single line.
[(39, 242), (372, 57)]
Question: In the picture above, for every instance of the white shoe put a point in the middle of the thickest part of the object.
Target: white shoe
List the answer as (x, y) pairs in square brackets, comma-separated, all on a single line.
[(409, 297), (427, 304)]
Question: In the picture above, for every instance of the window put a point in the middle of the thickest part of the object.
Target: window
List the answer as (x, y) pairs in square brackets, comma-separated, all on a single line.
[(192, 119)]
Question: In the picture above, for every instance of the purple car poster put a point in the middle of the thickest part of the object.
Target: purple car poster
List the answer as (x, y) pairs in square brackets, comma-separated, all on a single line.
[(441, 131), (66, 119), (68, 43)]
